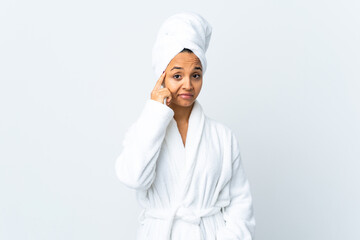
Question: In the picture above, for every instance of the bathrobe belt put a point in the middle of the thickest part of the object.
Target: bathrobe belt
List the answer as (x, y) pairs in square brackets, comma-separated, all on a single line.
[(192, 216)]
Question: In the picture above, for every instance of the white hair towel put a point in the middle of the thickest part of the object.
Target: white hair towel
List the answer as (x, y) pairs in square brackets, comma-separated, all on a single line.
[(182, 30)]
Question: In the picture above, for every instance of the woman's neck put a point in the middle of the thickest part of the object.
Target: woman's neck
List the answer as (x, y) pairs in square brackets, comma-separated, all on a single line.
[(181, 114)]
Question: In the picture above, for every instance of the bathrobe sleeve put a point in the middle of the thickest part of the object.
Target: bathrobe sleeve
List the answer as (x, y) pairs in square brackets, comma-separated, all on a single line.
[(135, 166), (239, 214)]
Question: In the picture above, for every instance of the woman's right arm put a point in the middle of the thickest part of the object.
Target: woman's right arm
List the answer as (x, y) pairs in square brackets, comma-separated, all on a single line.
[(135, 166)]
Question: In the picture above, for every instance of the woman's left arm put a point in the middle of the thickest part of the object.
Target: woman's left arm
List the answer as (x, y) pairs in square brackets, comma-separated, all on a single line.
[(239, 214)]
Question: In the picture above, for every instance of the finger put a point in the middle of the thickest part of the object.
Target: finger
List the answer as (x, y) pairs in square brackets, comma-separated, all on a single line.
[(160, 81), (168, 100)]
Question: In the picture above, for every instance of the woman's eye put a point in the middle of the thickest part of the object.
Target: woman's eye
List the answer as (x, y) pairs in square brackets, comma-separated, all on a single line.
[(196, 75), (177, 76)]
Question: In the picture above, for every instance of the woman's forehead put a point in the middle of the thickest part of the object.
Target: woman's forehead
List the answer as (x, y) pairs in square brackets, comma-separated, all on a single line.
[(185, 59)]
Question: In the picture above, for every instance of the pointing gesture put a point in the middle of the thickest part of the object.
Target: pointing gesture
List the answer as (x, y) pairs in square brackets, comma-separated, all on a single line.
[(158, 93)]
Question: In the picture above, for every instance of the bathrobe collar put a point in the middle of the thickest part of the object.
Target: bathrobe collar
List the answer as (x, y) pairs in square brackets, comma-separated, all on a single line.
[(193, 138)]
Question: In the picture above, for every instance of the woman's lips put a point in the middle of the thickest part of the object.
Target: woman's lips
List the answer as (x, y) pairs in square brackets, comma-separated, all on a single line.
[(186, 96)]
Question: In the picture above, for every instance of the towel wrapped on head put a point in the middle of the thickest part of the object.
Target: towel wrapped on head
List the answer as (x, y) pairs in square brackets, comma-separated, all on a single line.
[(182, 30)]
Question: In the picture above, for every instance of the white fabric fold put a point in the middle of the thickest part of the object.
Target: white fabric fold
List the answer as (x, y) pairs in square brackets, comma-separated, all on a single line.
[(183, 30)]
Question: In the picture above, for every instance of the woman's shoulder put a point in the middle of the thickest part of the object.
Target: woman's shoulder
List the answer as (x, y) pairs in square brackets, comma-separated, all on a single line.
[(224, 133), (218, 126)]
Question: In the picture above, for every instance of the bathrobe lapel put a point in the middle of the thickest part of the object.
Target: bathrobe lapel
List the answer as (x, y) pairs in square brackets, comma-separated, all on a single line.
[(185, 161)]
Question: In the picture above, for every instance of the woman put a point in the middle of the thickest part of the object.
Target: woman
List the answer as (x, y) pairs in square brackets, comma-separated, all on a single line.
[(185, 166)]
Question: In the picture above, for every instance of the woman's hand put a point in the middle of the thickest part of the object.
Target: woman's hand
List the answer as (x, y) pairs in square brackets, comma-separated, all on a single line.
[(158, 93)]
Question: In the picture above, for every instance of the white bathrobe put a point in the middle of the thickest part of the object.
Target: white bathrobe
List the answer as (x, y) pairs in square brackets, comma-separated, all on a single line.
[(195, 192)]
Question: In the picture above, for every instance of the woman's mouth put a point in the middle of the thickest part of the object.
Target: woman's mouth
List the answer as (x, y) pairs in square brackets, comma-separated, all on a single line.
[(186, 96)]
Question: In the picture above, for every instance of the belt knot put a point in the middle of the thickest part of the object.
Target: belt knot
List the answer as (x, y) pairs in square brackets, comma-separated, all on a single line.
[(190, 215)]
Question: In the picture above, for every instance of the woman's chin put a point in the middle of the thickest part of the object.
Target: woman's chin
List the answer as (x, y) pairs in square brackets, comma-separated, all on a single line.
[(184, 103)]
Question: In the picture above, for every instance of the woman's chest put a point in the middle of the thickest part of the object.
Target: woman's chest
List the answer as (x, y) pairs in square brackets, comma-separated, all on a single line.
[(197, 166)]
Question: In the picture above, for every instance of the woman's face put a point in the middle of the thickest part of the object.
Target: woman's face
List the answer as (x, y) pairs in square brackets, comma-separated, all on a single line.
[(184, 76)]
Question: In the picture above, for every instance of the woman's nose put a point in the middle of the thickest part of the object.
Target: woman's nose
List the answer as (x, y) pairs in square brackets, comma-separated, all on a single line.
[(187, 83)]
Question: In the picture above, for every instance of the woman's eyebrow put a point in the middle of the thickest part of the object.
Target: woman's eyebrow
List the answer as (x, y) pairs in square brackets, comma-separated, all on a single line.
[(176, 68), (196, 68)]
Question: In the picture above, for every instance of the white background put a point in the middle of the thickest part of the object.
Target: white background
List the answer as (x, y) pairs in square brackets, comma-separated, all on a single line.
[(284, 75)]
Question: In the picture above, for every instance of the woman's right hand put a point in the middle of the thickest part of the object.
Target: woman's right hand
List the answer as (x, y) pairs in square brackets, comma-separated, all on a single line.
[(158, 93)]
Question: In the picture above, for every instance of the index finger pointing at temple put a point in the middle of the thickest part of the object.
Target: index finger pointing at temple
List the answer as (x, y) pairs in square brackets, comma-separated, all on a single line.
[(160, 81)]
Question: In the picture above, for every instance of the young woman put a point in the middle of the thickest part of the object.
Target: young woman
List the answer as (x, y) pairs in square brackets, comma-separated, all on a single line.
[(185, 166)]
